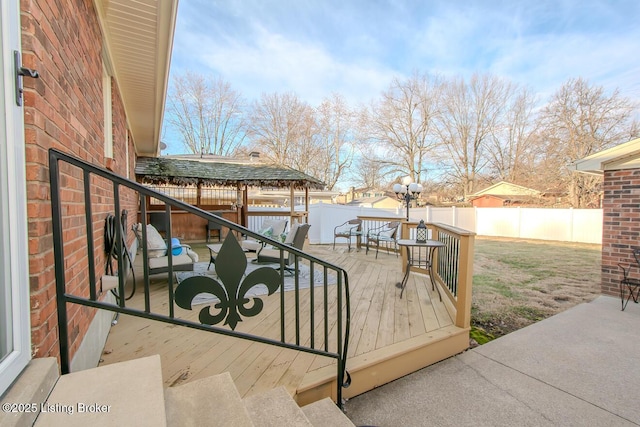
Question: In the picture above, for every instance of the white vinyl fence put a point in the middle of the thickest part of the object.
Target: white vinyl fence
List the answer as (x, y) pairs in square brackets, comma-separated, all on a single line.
[(568, 225)]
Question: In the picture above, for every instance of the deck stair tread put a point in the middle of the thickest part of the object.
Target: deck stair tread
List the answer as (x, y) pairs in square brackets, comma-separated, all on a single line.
[(275, 408), (125, 393), (199, 402), (132, 393)]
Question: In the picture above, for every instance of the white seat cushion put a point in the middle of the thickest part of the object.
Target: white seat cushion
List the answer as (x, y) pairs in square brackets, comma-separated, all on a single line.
[(164, 261), (250, 245)]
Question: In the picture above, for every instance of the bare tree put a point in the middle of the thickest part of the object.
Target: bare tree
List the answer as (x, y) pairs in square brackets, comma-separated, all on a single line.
[(580, 120), (400, 126), (207, 113), (370, 173), (511, 147), (471, 113), (335, 139), (281, 126)]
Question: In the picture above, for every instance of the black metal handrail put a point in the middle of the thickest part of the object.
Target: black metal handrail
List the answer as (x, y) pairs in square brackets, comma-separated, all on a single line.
[(233, 304), (448, 260)]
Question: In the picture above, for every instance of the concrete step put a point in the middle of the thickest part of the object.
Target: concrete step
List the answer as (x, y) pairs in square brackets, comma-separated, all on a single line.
[(325, 413), (131, 393), (126, 393), (32, 386), (275, 408), (208, 401)]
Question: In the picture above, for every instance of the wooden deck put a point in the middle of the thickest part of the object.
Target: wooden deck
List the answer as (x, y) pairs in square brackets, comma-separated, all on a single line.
[(390, 337)]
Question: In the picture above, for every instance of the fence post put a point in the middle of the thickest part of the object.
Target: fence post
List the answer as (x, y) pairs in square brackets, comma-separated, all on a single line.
[(571, 221)]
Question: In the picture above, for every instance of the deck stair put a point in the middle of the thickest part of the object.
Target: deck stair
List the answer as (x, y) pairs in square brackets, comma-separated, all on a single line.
[(131, 393)]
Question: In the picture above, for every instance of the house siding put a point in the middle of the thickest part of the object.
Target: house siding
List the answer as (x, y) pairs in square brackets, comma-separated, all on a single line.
[(621, 225), (64, 110)]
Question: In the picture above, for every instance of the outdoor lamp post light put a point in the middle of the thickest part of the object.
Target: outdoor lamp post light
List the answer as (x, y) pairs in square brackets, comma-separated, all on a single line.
[(407, 191)]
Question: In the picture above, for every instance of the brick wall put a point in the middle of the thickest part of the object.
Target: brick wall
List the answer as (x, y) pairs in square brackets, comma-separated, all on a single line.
[(621, 225), (64, 109)]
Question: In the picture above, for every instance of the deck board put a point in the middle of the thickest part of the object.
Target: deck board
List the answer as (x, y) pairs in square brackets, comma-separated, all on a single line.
[(379, 318)]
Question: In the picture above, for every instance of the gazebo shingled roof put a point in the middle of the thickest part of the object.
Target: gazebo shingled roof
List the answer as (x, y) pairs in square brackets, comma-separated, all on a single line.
[(162, 170)]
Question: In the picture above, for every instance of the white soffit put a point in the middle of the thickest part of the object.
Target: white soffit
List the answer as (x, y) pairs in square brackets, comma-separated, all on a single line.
[(139, 38), (623, 156)]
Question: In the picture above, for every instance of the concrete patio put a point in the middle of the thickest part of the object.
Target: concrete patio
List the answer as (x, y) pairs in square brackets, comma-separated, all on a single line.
[(576, 368)]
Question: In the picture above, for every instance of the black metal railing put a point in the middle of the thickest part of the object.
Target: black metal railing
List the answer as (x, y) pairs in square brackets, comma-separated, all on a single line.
[(320, 323), (448, 260)]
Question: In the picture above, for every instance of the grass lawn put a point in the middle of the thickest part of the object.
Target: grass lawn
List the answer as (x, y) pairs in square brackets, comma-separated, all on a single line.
[(518, 282)]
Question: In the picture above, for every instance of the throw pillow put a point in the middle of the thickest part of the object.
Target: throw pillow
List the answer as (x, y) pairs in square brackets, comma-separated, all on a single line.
[(156, 245), (291, 234), (267, 232), (387, 233)]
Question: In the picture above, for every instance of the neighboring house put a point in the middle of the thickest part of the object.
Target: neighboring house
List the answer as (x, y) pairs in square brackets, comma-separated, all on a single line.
[(103, 70), (376, 202), (359, 193), (504, 194), (620, 168)]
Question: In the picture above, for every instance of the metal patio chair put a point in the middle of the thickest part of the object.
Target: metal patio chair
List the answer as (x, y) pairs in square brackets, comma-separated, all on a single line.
[(386, 233), (630, 284), (347, 230)]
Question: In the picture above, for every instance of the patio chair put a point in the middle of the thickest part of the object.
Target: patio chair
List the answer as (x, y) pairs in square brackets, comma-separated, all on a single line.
[(272, 255), (630, 284), (183, 257), (271, 228), (347, 230), (386, 233), (215, 227)]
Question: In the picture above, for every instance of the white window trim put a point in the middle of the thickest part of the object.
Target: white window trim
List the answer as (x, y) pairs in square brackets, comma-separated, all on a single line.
[(14, 195), (108, 114)]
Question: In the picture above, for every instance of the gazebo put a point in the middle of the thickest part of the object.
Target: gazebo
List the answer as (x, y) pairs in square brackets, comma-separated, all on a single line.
[(220, 185)]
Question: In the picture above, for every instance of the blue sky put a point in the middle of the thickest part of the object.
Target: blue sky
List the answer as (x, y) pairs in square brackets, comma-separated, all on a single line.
[(355, 48)]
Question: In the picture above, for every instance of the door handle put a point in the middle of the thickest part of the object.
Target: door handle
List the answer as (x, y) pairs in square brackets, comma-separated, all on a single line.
[(20, 73)]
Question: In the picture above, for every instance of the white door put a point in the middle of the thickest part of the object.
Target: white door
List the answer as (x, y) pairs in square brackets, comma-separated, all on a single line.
[(14, 281)]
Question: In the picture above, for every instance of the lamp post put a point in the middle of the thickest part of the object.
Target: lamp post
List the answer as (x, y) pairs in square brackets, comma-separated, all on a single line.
[(407, 191)]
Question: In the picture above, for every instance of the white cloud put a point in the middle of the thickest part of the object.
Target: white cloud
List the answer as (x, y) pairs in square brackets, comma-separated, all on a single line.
[(315, 48), (270, 62)]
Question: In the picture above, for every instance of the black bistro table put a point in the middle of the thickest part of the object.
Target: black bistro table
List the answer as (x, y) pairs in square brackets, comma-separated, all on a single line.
[(419, 255)]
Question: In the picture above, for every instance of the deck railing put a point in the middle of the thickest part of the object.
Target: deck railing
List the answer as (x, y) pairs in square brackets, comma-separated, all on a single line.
[(452, 266), (317, 324)]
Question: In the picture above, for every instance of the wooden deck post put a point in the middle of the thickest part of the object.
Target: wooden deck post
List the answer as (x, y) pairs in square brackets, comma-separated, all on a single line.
[(465, 280)]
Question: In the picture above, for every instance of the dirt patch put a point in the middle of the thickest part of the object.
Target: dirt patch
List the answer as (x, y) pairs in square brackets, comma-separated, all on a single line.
[(519, 282)]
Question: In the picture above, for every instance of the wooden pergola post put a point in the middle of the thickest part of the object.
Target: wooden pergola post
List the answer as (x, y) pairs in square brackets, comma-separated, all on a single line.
[(306, 203), (292, 203), (243, 211)]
